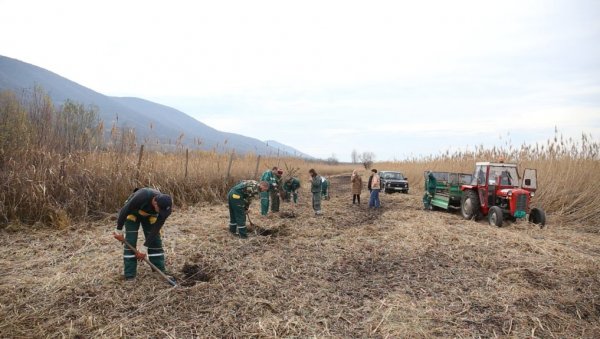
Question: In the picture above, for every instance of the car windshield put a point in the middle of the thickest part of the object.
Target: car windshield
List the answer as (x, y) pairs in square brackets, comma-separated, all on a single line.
[(504, 176), (393, 176)]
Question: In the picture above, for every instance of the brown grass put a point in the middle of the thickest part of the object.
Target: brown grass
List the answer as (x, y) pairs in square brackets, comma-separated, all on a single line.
[(399, 272)]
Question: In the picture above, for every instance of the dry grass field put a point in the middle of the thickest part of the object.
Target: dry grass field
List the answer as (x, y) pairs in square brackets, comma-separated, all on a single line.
[(398, 272)]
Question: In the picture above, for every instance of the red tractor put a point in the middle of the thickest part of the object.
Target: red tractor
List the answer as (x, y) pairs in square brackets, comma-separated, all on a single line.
[(497, 192)]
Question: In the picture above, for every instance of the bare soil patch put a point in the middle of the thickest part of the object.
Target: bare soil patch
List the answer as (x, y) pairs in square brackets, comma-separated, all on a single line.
[(353, 272), (193, 273)]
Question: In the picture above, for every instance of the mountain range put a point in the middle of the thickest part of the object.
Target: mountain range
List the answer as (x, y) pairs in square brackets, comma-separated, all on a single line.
[(149, 119)]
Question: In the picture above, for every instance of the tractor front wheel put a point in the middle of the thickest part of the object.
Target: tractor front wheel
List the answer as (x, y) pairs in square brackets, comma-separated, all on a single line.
[(537, 216), (469, 205), (495, 216)]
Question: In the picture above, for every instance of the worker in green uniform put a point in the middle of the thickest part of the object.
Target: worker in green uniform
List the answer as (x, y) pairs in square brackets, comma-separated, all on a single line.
[(324, 188), (276, 191), (150, 208), (291, 186), (430, 186), (239, 201), (270, 176)]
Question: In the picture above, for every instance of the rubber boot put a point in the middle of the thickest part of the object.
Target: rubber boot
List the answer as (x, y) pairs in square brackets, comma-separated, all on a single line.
[(243, 232)]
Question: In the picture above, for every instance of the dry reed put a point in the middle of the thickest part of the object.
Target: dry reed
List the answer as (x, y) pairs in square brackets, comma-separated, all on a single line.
[(397, 272)]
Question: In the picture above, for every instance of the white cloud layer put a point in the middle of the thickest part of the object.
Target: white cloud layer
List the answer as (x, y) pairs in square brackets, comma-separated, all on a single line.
[(328, 77)]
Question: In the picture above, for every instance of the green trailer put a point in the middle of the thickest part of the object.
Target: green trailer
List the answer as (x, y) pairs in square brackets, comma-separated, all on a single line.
[(447, 192)]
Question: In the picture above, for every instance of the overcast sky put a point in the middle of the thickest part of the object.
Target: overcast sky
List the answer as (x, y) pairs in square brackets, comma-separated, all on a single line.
[(396, 78)]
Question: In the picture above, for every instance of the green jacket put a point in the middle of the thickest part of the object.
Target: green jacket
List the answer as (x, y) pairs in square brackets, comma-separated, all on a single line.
[(140, 202), (291, 185), (431, 183), (270, 178), (246, 189)]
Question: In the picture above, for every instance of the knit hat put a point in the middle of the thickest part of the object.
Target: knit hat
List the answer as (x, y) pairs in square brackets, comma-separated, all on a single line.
[(165, 203)]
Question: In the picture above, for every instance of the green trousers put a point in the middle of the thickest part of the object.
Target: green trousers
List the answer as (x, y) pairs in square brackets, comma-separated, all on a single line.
[(156, 254), (264, 202), (291, 194), (237, 215), (427, 200), (324, 190)]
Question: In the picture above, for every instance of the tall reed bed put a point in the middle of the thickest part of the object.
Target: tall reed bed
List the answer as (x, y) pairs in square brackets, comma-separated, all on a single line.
[(52, 189), (567, 169), (58, 164)]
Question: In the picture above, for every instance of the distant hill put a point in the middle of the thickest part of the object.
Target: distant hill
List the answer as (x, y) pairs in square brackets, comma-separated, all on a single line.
[(150, 120), (287, 149)]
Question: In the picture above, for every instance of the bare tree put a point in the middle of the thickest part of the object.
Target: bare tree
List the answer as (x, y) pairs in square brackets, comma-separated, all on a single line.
[(332, 160), (354, 156), (367, 159)]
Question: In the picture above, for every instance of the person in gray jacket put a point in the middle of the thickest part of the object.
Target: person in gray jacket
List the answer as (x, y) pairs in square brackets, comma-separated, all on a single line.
[(315, 189)]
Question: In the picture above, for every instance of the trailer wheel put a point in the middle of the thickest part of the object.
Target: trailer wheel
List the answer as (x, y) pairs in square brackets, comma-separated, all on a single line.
[(537, 216), (495, 216), (469, 205)]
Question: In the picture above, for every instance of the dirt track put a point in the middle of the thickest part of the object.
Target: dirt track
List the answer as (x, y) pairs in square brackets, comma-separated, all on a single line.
[(399, 272)]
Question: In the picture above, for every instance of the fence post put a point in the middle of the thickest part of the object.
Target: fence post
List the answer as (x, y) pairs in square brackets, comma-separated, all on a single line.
[(256, 170), (187, 157)]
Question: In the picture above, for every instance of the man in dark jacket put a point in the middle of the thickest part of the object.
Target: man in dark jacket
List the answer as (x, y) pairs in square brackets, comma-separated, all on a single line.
[(150, 208), (239, 197)]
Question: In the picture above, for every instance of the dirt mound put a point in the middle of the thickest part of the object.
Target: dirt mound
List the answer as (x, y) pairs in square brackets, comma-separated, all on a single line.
[(193, 273), (262, 231), (287, 214)]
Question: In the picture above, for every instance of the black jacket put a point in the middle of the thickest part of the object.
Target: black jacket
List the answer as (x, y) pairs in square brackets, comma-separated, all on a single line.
[(141, 200)]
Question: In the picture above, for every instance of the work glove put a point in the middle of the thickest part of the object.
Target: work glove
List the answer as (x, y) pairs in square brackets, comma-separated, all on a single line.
[(140, 256), (118, 234)]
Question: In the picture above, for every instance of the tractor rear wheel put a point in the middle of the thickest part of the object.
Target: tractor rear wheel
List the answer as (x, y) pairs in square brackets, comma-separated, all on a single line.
[(469, 205), (537, 216), (495, 216)]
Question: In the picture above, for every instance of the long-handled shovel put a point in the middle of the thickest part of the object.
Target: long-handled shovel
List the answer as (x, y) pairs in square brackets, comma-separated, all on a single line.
[(154, 268), (255, 228), (250, 221)]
